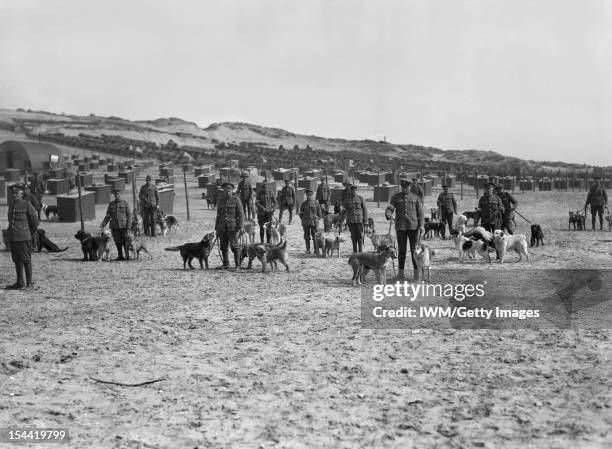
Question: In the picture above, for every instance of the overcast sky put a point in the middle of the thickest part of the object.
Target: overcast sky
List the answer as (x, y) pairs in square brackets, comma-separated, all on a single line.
[(531, 79)]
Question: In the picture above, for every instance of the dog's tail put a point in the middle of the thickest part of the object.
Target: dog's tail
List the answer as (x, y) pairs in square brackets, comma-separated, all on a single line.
[(173, 248)]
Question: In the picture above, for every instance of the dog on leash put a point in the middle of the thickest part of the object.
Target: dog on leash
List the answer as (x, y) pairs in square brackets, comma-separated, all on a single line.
[(422, 256), (89, 245), (576, 219), (135, 245), (434, 228), (272, 253), (200, 250), (332, 245), (506, 242), (275, 236), (379, 240), (460, 224), (537, 236), (329, 222), (103, 242), (137, 227), (362, 263), (50, 210), (44, 242), (319, 244), (170, 223), (250, 251)]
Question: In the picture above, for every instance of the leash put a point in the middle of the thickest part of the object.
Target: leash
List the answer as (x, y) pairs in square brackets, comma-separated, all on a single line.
[(519, 214)]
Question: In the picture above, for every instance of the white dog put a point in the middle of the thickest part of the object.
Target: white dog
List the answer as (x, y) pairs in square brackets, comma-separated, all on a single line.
[(460, 224), (422, 256), (507, 242), (469, 247)]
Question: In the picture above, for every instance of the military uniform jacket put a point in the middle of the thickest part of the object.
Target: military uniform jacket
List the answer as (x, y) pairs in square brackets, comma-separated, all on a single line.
[(356, 211), (597, 196), (508, 201), (230, 215), (418, 191), (265, 202), (344, 195), (149, 197), (38, 188), (244, 191), (447, 203), (323, 193), (22, 221), (287, 196), (490, 209), (408, 210), (310, 213), (118, 214)]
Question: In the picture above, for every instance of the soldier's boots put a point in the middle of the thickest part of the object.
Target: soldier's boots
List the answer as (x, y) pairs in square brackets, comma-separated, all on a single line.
[(237, 258), (28, 273), (120, 253), (354, 244), (127, 252), (225, 257), (307, 246), (416, 274), (400, 275), (360, 245)]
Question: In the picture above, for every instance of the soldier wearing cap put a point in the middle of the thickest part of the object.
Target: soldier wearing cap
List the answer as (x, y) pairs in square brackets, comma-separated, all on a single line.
[(119, 218), (490, 209), (245, 192), (597, 198), (37, 188), (265, 203), (510, 204), (409, 223), (149, 203), (22, 226), (286, 199), (356, 217), (310, 213), (448, 207), (323, 195), (230, 219)]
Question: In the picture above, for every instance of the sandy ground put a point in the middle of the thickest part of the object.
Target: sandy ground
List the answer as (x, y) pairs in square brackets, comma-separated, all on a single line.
[(279, 360)]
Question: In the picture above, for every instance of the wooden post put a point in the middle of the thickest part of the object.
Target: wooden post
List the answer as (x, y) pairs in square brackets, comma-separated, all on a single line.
[(135, 203), (461, 180), (78, 183), (295, 180), (378, 183), (476, 182), (186, 194)]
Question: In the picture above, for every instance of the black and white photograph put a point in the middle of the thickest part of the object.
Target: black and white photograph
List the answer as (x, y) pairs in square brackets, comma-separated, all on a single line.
[(278, 224)]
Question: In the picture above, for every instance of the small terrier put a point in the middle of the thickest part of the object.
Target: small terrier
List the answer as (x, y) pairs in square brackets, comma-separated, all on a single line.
[(422, 256), (332, 245)]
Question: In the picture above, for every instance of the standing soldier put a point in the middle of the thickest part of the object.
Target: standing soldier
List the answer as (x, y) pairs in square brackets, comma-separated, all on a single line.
[(149, 203), (230, 219), (22, 226), (490, 209), (37, 187), (356, 218), (118, 214), (286, 200), (245, 192), (408, 210), (323, 195), (448, 207), (310, 213), (265, 204), (347, 192), (510, 204), (597, 198)]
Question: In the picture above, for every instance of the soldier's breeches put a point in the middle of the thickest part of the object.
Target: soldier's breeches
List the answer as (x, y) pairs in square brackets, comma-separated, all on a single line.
[(309, 232), (403, 238), (227, 239), (21, 253), (148, 220), (597, 210)]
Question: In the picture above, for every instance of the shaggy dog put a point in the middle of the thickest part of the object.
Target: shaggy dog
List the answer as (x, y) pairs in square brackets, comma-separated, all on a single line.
[(44, 242), (460, 224), (505, 242), (362, 263), (89, 245), (50, 210), (200, 250), (272, 253), (170, 223), (537, 235), (333, 245), (103, 242), (250, 251), (135, 245), (469, 247), (422, 256), (137, 228)]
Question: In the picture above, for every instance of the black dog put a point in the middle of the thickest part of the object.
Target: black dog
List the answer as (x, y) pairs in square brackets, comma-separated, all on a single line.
[(89, 245), (200, 251), (50, 210), (537, 235), (44, 242), (434, 227)]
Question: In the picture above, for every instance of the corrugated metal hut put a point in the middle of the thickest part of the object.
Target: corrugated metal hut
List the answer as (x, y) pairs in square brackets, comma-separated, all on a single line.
[(29, 156)]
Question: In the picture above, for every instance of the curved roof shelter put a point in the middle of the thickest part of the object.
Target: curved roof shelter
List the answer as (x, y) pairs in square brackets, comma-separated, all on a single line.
[(29, 156)]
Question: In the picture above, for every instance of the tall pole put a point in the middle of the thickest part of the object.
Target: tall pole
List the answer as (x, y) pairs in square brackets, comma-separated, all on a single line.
[(186, 195), (378, 189), (134, 202), (78, 183), (461, 180)]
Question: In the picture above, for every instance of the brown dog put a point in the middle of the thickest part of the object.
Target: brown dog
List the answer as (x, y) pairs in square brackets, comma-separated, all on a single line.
[(136, 245), (362, 263), (270, 254), (332, 245)]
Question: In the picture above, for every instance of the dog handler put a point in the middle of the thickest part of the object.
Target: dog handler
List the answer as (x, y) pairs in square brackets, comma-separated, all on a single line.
[(245, 192), (448, 207), (409, 220), (22, 225), (310, 213), (598, 199), (230, 219), (149, 201), (118, 214), (356, 217), (490, 209)]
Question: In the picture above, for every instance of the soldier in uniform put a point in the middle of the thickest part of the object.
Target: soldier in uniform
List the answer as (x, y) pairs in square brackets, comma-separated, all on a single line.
[(323, 195), (490, 209), (37, 188), (347, 192), (417, 189), (230, 219), (448, 207), (510, 204), (22, 226), (597, 198), (310, 213), (409, 220), (356, 218), (265, 204), (149, 203), (286, 200), (245, 192), (118, 214)]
